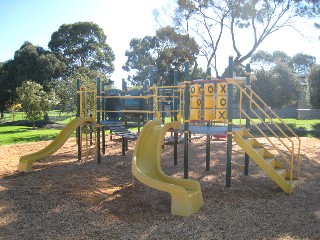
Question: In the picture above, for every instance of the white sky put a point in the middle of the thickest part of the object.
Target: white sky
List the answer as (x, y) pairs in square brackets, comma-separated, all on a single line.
[(121, 20)]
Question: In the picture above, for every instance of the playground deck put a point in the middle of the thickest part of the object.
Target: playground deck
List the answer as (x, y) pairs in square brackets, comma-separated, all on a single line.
[(66, 199)]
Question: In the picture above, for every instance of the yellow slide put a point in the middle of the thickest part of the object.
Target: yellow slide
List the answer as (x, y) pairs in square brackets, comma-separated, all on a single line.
[(186, 194), (26, 161)]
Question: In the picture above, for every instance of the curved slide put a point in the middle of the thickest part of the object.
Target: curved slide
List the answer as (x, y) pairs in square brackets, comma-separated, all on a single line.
[(186, 194), (26, 161)]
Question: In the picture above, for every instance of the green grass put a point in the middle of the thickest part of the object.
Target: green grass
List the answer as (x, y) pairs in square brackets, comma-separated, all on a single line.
[(23, 134), (20, 134), (312, 124), (54, 115)]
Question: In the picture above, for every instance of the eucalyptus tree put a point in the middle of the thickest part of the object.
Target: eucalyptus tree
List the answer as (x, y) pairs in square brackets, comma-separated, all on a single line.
[(30, 62), (278, 87), (300, 63), (215, 23), (35, 63), (314, 86), (166, 51), (83, 45)]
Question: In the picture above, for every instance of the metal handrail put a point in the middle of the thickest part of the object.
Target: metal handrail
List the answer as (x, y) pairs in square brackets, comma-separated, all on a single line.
[(291, 149)]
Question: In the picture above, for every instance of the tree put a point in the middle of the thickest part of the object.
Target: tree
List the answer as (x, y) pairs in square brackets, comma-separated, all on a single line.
[(34, 100), (66, 88), (13, 108), (167, 51), (278, 87), (303, 62), (267, 60), (83, 45), (30, 62), (209, 20), (314, 86), (36, 64), (8, 85), (299, 63)]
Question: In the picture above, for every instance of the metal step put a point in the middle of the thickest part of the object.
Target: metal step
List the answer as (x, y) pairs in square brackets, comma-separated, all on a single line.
[(271, 161), (281, 172)]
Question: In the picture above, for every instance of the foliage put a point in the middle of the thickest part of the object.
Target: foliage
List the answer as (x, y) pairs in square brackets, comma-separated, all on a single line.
[(83, 45), (5, 89), (314, 86), (36, 64), (299, 63), (303, 62), (167, 51), (209, 20), (13, 108), (278, 87), (30, 63), (35, 101), (66, 88)]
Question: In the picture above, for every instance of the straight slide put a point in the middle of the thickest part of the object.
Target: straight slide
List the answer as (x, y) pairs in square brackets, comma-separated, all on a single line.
[(26, 161), (186, 195)]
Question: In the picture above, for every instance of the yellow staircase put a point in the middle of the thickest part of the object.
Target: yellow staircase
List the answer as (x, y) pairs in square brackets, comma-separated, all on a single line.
[(266, 161), (284, 167)]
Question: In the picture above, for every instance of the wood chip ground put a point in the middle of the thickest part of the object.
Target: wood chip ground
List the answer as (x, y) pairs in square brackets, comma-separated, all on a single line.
[(67, 199)]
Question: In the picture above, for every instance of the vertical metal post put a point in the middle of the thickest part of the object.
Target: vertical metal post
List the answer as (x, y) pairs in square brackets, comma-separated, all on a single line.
[(98, 120), (229, 136), (78, 132), (175, 107), (151, 78), (103, 118), (145, 104), (186, 118), (248, 82), (208, 135), (124, 85), (90, 131)]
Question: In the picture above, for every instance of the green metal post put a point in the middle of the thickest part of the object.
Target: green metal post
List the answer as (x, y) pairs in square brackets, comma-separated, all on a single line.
[(145, 105), (98, 120), (103, 118), (186, 118), (175, 107), (229, 137), (151, 78), (248, 82), (90, 131), (208, 136), (78, 132), (124, 85)]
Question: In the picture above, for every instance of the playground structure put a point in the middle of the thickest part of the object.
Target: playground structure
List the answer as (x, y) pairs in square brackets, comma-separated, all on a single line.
[(203, 106)]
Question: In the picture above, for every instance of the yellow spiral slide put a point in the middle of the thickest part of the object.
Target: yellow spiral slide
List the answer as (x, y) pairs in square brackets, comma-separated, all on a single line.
[(186, 194), (26, 161)]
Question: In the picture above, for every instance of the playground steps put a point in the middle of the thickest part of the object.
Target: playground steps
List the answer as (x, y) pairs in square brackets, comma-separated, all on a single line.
[(118, 129), (266, 161)]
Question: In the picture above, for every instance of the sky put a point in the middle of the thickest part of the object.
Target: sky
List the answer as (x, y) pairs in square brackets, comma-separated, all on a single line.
[(121, 20)]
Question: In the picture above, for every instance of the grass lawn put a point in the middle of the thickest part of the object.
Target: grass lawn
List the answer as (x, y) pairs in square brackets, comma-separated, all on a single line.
[(55, 116), (21, 134), (24, 134)]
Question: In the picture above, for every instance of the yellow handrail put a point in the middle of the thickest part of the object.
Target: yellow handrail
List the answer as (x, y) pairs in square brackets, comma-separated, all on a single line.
[(252, 104)]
